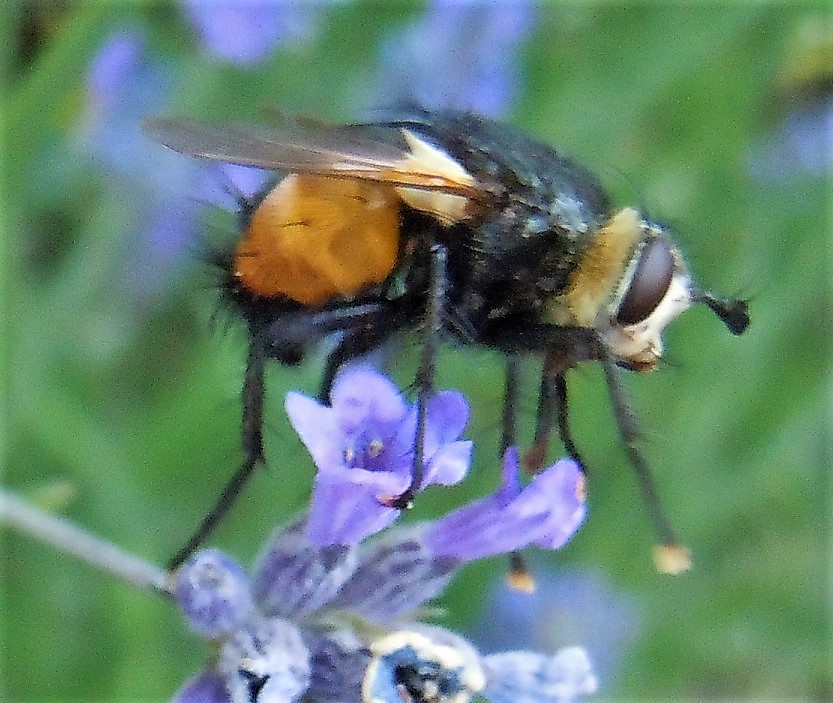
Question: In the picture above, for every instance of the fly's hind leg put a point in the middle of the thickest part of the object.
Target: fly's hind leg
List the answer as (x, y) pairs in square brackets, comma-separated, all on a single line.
[(252, 440), (286, 340)]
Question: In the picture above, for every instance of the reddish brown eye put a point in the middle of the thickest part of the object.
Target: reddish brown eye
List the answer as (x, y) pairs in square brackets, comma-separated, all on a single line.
[(649, 283)]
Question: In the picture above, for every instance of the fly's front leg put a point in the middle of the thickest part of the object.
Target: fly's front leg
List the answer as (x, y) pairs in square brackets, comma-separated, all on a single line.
[(670, 556)]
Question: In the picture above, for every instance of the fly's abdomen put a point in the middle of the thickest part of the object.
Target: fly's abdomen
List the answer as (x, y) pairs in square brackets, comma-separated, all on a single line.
[(312, 239)]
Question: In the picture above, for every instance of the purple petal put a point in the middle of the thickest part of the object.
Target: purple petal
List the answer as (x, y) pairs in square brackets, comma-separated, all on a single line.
[(449, 465), (317, 427), (558, 492), (546, 513), (446, 417), (345, 513), (360, 393)]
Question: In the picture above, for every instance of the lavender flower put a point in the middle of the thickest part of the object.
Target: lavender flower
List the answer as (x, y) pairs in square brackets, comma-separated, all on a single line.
[(457, 55), (213, 593), (363, 447), (567, 604), (801, 144), (334, 620), (545, 513), (246, 31), (327, 655)]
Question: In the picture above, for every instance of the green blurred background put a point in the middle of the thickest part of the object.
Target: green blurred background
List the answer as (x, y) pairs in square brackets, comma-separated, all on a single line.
[(120, 390)]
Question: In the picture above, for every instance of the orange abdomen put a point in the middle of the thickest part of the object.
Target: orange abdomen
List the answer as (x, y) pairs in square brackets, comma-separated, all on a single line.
[(314, 238)]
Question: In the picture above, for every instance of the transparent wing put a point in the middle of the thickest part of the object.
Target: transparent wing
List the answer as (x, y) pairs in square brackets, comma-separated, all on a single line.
[(366, 152)]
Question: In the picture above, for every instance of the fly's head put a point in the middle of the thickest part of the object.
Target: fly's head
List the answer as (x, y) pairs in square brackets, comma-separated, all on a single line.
[(629, 284)]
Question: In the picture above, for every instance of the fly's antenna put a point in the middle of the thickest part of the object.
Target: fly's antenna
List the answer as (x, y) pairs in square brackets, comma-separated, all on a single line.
[(734, 312)]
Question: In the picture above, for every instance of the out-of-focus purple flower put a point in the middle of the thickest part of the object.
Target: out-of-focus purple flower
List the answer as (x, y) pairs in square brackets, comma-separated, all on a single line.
[(565, 608), (123, 87), (457, 55), (156, 187), (802, 143), (246, 31), (213, 593), (529, 677), (363, 448), (545, 513), (159, 191)]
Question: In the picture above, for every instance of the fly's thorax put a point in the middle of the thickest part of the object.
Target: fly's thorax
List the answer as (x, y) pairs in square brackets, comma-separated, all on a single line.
[(627, 285)]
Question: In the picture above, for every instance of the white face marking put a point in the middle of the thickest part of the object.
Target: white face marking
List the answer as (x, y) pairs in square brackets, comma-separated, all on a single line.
[(641, 343), (428, 160)]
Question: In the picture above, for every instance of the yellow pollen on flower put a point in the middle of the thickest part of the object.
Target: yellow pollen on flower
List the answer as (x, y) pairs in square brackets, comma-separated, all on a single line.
[(375, 448)]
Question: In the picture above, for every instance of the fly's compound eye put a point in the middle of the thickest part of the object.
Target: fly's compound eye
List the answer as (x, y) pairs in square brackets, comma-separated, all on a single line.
[(649, 284)]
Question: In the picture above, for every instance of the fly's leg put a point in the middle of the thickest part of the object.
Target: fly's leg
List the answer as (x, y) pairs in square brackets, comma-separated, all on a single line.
[(553, 409), (252, 450), (433, 326), (520, 577), (670, 556), (356, 344), (510, 404), (285, 340)]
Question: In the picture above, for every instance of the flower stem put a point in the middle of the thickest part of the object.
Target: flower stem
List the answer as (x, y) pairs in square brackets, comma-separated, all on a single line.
[(66, 537)]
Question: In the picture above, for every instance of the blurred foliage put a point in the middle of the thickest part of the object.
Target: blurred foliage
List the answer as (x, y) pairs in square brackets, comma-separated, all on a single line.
[(121, 411)]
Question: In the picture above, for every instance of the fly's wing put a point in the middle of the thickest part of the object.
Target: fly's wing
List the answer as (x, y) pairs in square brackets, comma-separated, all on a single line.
[(386, 155)]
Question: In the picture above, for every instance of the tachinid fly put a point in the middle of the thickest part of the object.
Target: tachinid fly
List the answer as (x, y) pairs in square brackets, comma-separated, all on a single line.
[(452, 226)]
